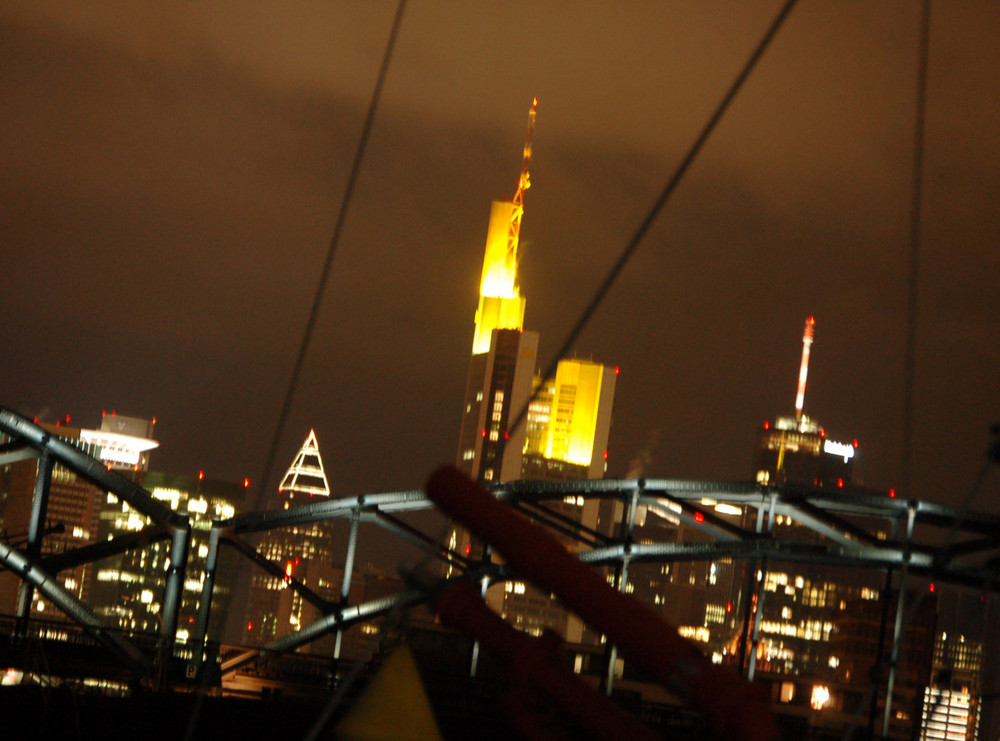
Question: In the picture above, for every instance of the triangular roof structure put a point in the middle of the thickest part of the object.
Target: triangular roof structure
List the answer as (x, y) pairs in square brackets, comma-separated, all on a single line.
[(306, 474)]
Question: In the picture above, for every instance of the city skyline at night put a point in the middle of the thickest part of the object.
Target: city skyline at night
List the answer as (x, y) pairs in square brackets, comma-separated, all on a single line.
[(169, 196)]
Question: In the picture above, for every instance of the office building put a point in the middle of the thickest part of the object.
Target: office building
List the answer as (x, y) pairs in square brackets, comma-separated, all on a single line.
[(795, 450), (128, 588), (303, 551), (72, 510)]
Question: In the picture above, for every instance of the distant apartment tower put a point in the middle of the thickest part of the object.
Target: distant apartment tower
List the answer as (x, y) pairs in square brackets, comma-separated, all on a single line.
[(72, 509), (303, 551)]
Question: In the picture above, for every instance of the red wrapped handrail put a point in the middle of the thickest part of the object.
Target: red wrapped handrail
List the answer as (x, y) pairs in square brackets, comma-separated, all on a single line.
[(737, 709)]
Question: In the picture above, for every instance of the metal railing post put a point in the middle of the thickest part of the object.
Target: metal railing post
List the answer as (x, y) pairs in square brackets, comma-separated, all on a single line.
[(36, 531), (621, 579)]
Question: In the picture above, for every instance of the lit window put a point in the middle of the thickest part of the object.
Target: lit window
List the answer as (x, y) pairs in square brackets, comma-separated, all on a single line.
[(820, 697)]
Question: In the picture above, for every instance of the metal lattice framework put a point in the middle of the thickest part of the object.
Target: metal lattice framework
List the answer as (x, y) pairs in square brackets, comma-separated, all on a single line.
[(850, 528)]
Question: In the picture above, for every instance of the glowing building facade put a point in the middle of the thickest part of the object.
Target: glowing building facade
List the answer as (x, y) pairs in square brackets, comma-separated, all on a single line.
[(127, 587), (795, 450), (569, 422), (304, 551), (71, 513), (563, 422)]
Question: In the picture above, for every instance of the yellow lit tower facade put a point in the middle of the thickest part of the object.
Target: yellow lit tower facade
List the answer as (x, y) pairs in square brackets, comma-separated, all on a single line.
[(503, 354), (565, 431)]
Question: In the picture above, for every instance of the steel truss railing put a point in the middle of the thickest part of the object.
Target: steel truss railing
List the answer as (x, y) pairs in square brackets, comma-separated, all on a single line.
[(25, 440), (855, 528)]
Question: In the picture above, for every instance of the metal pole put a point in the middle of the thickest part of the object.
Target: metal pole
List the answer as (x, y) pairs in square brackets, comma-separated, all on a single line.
[(173, 591), (898, 629), (880, 650), (207, 588), (759, 591), (621, 577), (345, 587), (751, 589), (36, 531)]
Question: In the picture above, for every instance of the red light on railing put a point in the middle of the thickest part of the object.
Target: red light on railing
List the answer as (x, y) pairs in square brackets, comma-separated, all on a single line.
[(699, 517)]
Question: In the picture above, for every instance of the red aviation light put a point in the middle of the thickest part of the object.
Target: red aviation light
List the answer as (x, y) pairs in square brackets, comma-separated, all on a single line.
[(605, 455), (729, 607), (822, 432), (246, 484), (201, 475), (506, 435), (103, 414), (855, 443), (468, 548), (840, 483), (67, 419), (892, 493), (249, 626), (484, 432), (932, 588), (767, 425), (617, 370), (154, 420), (699, 517)]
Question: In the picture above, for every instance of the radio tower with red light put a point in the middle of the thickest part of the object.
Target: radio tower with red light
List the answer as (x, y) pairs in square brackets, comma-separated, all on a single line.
[(795, 450), (807, 340)]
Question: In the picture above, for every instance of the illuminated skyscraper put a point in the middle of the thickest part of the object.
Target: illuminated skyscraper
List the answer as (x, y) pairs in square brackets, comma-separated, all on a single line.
[(503, 355), (71, 512), (128, 586), (569, 422), (303, 550), (795, 450), (562, 435)]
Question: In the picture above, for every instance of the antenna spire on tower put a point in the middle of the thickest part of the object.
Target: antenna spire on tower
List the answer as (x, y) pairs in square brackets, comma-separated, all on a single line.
[(807, 340), (523, 183)]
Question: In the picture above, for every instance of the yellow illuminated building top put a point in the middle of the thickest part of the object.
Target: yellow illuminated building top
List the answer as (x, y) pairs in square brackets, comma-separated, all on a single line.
[(501, 305), (563, 419)]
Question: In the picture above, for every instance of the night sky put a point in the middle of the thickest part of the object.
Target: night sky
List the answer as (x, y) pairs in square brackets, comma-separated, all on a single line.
[(171, 175)]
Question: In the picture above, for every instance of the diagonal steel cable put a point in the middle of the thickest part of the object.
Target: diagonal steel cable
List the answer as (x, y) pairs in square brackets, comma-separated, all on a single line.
[(331, 252)]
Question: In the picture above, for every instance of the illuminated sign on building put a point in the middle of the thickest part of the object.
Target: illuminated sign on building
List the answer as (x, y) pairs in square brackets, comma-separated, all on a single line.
[(116, 448), (843, 450)]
